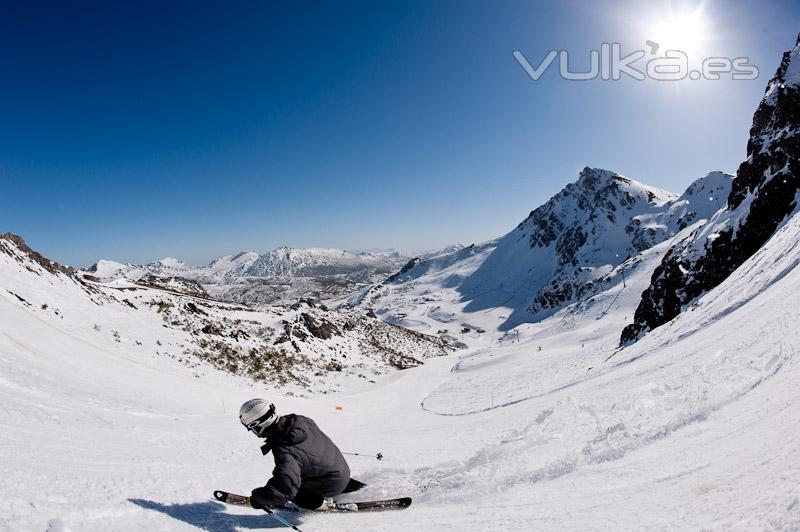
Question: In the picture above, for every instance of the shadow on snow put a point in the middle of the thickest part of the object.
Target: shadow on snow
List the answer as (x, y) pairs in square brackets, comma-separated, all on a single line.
[(209, 516)]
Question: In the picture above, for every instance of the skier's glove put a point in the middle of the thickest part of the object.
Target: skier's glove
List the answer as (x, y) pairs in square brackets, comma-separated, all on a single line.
[(259, 498)]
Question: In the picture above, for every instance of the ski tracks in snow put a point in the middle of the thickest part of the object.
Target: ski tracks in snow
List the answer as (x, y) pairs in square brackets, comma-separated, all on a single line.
[(590, 421)]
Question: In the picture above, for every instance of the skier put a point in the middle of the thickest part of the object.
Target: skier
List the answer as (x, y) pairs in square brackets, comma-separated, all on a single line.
[(309, 468)]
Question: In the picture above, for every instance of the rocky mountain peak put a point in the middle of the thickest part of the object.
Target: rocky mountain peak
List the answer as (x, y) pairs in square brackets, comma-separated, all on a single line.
[(772, 145), (762, 197), (597, 197)]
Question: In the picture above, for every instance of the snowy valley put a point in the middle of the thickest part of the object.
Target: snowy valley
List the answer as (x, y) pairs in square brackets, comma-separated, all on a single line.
[(495, 379)]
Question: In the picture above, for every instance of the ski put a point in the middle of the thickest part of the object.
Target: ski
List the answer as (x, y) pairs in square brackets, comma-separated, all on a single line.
[(399, 503), (232, 498)]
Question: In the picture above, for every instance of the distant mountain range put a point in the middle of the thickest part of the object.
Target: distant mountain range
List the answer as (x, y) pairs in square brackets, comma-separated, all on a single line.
[(282, 275)]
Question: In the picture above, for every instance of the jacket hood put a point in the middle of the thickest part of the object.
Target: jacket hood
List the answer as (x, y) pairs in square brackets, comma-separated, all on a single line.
[(285, 431)]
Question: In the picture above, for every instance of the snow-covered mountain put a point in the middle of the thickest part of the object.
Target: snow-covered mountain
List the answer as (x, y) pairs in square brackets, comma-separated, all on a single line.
[(120, 400), (694, 427), (110, 269), (229, 268), (764, 196), (563, 252), (289, 262), (279, 276), (174, 317)]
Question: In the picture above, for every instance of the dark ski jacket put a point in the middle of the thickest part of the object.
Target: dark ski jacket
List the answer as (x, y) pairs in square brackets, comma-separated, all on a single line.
[(305, 456)]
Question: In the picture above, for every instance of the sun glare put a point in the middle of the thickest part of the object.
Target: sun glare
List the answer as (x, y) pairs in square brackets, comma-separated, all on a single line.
[(681, 31)]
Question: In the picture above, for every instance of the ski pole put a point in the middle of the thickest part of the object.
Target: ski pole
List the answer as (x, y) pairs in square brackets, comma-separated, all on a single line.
[(282, 520), (378, 456)]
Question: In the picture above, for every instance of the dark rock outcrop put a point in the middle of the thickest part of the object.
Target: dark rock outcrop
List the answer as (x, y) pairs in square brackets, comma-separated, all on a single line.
[(762, 197), (180, 285), (405, 269)]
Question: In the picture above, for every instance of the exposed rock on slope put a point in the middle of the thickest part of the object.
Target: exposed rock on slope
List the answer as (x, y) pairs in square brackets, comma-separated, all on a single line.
[(405, 269), (565, 249), (15, 247), (175, 284), (302, 347), (763, 195), (583, 251)]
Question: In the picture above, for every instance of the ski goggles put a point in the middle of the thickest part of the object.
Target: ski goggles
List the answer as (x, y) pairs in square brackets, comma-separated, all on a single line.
[(260, 424)]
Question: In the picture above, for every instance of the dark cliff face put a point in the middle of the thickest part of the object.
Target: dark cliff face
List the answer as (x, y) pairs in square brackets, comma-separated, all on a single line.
[(763, 194)]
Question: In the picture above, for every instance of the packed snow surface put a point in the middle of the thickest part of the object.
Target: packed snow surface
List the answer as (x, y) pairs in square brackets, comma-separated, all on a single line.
[(694, 427)]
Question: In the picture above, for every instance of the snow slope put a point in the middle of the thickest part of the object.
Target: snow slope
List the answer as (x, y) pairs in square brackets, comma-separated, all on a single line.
[(547, 426), (694, 427), (302, 348)]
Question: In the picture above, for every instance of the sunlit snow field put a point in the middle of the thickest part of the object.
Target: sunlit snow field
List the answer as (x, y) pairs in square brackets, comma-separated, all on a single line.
[(694, 427)]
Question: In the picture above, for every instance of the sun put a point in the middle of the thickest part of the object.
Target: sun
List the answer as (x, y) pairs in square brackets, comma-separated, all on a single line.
[(683, 31)]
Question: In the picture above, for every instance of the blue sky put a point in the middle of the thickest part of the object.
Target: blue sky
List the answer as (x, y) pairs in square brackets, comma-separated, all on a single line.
[(139, 130)]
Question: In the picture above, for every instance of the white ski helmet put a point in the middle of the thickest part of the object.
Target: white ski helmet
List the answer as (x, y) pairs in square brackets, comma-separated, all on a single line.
[(257, 415)]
